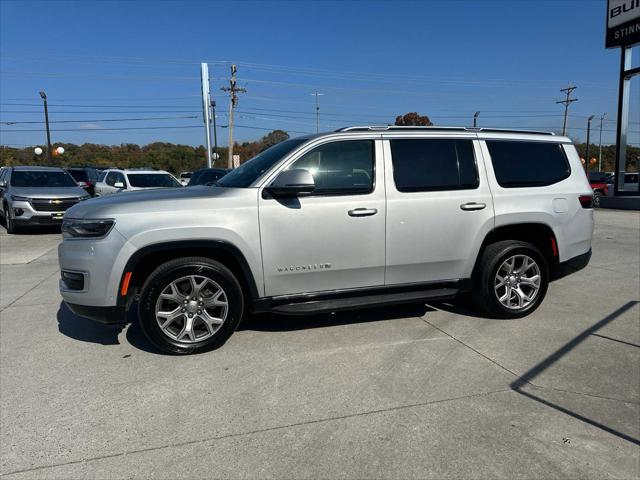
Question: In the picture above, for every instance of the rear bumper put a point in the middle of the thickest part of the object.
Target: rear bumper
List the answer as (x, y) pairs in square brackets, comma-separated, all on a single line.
[(104, 315), (572, 265)]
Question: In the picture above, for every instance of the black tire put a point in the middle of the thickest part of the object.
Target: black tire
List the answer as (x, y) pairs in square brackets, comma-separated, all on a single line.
[(493, 256), (8, 221), (174, 270), (596, 199)]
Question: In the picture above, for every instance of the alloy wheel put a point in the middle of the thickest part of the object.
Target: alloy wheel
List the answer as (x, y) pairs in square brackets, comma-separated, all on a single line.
[(517, 282), (191, 309)]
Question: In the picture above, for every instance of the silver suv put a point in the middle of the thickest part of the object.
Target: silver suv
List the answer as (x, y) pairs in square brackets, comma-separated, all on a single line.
[(36, 196), (360, 217)]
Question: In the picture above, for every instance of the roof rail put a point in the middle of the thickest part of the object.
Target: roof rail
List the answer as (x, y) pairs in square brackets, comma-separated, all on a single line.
[(373, 128)]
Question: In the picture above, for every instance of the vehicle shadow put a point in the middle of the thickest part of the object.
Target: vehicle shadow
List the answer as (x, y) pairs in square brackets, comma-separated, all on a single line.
[(79, 328)]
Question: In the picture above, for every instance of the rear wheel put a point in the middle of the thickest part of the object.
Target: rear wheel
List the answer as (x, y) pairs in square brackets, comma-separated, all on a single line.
[(190, 305), (512, 279), (596, 199)]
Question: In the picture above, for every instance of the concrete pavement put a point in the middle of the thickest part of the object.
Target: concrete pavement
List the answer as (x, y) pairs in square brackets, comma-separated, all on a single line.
[(419, 391)]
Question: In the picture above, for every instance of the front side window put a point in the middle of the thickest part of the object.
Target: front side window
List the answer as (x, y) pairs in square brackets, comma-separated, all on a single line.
[(433, 164), (340, 168), (152, 180), (528, 164), (41, 178)]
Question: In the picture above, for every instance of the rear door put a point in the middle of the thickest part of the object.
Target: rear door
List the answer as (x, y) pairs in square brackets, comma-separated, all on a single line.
[(439, 207), (334, 238)]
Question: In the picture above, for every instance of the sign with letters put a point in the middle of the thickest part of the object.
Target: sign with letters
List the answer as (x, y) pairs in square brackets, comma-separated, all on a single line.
[(623, 23)]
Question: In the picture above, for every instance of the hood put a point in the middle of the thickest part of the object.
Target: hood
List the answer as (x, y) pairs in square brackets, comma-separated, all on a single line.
[(149, 201), (48, 192)]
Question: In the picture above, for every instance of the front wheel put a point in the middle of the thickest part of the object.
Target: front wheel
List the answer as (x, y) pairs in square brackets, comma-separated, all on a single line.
[(190, 305), (8, 220), (512, 279)]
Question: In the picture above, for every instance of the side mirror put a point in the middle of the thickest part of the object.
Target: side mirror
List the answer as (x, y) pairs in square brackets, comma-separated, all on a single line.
[(118, 185), (291, 183)]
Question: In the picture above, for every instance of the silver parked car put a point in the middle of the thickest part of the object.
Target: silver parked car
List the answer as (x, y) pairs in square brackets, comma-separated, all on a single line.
[(360, 217), (115, 181), (37, 196)]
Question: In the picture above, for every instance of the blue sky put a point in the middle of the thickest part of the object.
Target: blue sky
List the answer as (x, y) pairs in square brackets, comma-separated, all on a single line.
[(119, 72)]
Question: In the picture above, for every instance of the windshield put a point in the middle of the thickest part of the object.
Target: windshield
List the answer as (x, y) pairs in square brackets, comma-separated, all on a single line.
[(34, 178), (152, 180), (250, 171)]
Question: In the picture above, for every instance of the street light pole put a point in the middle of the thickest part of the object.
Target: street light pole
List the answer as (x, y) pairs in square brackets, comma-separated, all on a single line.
[(600, 147), (475, 119), (215, 130), (43, 95), (317, 111), (586, 160)]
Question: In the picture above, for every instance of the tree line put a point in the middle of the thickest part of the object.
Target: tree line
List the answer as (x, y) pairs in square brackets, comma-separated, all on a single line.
[(178, 158)]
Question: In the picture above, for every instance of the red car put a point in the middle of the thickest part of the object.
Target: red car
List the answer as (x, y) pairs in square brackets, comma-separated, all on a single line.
[(599, 183)]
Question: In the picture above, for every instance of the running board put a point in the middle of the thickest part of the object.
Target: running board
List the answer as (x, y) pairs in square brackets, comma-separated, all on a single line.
[(365, 301)]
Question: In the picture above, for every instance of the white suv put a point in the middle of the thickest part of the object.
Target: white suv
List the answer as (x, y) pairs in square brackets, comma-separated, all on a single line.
[(114, 181), (360, 217)]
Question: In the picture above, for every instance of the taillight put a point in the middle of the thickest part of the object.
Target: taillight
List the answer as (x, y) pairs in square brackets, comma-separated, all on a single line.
[(586, 201), (606, 190)]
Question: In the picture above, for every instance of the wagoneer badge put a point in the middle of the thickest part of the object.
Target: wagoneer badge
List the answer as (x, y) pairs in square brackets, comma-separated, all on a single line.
[(306, 268)]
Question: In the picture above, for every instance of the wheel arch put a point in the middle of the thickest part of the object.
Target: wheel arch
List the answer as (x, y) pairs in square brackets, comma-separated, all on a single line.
[(148, 258), (538, 234)]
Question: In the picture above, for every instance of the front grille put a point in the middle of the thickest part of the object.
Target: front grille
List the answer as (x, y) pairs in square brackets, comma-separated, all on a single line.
[(53, 204)]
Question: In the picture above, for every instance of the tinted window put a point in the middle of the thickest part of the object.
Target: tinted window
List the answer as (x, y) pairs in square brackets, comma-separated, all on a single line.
[(528, 164), (79, 175), (111, 178), (152, 180), (433, 164), (34, 178), (250, 171), (340, 167), (204, 177)]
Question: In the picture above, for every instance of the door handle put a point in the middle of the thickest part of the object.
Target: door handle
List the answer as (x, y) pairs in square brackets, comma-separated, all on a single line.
[(473, 206), (362, 212)]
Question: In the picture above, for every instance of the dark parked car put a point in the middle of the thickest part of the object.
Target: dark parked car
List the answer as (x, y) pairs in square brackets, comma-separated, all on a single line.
[(207, 176), (85, 177)]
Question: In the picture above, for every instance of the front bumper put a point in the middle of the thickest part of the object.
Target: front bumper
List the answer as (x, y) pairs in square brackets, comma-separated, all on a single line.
[(104, 315), (101, 262), (572, 265), (30, 216)]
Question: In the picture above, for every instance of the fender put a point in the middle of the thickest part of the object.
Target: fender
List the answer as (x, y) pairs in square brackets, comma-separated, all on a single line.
[(156, 248)]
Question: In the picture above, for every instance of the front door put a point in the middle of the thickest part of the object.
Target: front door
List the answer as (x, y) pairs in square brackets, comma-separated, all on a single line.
[(334, 238)]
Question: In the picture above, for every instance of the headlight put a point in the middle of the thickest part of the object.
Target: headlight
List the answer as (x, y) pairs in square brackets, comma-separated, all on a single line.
[(73, 228), (18, 198)]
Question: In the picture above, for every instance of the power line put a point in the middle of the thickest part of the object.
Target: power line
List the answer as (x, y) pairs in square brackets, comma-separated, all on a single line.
[(101, 120)]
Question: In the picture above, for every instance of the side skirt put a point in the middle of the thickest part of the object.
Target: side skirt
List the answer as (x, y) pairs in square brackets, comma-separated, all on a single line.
[(352, 299)]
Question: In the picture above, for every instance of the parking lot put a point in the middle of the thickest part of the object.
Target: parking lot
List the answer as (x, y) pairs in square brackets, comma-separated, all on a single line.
[(419, 391)]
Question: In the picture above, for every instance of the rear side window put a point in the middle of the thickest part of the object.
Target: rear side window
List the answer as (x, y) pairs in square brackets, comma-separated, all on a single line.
[(421, 165), (528, 164)]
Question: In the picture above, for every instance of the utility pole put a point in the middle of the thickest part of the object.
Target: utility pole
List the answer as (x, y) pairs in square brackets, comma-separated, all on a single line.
[(233, 93), (43, 95), (566, 102), (206, 113), (215, 129), (475, 119), (586, 160), (600, 147), (317, 111)]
